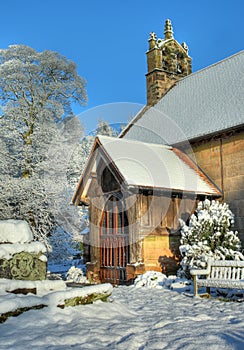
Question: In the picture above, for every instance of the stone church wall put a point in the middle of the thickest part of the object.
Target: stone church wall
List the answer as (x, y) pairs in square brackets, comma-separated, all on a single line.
[(222, 159)]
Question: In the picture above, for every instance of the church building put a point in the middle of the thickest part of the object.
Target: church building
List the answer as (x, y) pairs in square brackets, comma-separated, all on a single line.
[(185, 145)]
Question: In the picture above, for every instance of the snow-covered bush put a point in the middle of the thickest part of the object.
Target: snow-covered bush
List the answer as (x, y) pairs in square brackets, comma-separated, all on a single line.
[(76, 275), (208, 235), (151, 279), (155, 279)]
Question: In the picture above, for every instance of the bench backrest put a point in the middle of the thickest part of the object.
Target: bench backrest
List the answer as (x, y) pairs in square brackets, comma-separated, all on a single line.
[(227, 270)]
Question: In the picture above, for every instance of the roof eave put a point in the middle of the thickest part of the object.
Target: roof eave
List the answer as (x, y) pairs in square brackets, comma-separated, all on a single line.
[(218, 133), (175, 191)]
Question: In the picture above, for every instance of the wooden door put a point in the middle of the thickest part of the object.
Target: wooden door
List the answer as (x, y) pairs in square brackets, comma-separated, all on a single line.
[(114, 242)]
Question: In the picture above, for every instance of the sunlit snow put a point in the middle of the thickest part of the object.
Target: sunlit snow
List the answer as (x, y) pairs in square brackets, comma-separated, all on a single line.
[(147, 315), (15, 231)]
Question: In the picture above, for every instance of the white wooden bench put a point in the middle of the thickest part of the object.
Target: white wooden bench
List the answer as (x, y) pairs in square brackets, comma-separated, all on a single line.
[(219, 274)]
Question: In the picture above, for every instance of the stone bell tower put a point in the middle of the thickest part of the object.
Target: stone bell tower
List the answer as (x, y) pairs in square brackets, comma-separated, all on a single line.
[(167, 62)]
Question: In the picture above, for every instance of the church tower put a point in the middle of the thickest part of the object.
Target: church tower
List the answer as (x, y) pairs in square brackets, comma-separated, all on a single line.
[(167, 62)]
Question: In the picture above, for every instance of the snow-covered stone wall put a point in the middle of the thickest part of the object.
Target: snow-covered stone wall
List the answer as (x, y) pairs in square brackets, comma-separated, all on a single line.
[(15, 231)]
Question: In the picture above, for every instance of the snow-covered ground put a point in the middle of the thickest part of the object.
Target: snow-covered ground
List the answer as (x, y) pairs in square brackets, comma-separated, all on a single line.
[(147, 315)]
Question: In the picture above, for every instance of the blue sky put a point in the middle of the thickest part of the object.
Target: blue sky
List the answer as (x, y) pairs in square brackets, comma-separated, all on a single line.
[(108, 40)]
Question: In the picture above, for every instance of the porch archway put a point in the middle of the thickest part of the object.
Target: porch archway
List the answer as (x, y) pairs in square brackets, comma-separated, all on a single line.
[(114, 241)]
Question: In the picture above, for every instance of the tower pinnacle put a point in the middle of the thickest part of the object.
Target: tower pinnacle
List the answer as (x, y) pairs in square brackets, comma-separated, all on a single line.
[(168, 30)]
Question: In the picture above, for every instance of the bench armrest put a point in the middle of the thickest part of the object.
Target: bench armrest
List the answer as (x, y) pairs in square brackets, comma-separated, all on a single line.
[(195, 272)]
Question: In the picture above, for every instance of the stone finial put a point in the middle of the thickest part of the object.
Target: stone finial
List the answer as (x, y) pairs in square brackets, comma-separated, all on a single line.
[(168, 30), (152, 40), (185, 47), (152, 36)]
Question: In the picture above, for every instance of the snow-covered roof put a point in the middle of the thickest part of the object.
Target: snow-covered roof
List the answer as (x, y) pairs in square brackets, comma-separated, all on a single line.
[(155, 166), (203, 103)]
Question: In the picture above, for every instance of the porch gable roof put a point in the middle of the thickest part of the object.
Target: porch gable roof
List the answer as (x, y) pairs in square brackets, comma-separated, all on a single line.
[(147, 166)]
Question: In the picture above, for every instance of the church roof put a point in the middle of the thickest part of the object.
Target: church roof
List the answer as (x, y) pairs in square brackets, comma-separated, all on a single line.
[(151, 166), (204, 103)]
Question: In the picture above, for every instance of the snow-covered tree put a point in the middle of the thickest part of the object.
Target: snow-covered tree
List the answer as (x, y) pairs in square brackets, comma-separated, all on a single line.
[(209, 235), (106, 129), (78, 160), (64, 247), (71, 164), (36, 94), (36, 90), (103, 128), (81, 153)]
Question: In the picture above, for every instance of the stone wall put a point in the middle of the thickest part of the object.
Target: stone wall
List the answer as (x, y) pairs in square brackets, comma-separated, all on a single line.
[(158, 83), (221, 158), (161, 253)]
